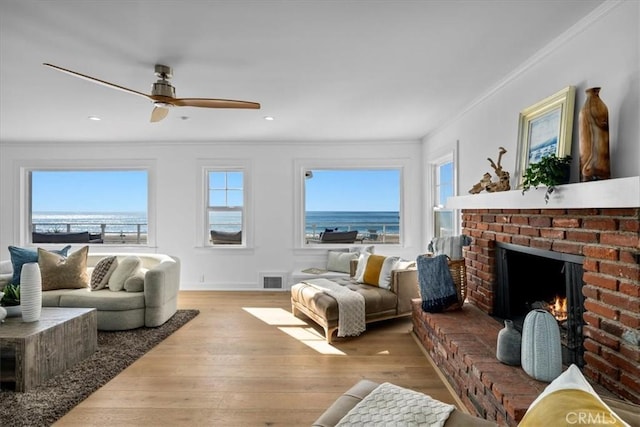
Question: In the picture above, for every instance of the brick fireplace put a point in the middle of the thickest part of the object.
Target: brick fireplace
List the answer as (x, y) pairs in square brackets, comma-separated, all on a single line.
[(462, 343), (608, 239)]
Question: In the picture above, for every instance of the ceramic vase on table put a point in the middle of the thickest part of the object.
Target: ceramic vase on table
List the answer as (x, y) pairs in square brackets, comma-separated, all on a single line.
[(508, 350), (31, 292), (541, 355), (593, 122)]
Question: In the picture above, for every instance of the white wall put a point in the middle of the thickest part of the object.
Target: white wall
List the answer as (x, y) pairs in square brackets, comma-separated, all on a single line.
[(175, 199), (603, 50)]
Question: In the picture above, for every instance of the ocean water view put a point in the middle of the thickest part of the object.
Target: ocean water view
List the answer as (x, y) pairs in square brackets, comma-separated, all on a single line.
[(115, 222), (131, 223), (387, 222)]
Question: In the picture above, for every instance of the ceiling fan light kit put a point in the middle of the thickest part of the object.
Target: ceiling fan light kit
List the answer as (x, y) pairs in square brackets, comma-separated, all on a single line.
[(163, 94)]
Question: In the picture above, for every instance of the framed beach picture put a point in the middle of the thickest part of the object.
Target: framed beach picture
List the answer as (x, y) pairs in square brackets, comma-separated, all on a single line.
[(545, 128)]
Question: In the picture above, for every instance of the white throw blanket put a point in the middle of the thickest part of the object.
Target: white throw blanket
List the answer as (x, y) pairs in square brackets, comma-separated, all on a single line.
[(390, 405), (351, 309)]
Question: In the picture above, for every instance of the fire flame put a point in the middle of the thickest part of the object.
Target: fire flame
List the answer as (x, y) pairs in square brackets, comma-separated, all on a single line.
[(559, 308)]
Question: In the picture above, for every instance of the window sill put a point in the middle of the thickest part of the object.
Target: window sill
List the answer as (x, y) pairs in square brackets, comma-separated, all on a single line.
[(226, 249)]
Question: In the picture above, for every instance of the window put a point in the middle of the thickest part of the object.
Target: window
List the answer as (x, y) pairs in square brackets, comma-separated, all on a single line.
[(225, 207), (345, 206), (88, 206), (443, 188)]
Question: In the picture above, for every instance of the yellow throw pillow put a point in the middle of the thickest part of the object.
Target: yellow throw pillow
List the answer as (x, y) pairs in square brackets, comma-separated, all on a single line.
[(375, 270), (570, 400), (372, 270), (59, 272)]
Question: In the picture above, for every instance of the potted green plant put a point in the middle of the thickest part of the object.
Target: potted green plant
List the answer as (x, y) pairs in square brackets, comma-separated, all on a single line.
[(549, 171), (11, 299)]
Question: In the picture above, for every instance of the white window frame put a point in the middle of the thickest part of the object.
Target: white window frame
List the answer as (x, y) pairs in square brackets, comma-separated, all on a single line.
[(450, 157), (22, 198), (301, 166), (224, 165)]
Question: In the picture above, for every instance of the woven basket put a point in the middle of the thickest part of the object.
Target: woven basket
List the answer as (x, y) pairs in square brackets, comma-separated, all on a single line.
[(458, 270)]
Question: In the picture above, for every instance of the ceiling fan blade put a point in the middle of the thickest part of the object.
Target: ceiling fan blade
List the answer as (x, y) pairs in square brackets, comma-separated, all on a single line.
[(94, 80), (214, 103), (158, 114), (163, 94)]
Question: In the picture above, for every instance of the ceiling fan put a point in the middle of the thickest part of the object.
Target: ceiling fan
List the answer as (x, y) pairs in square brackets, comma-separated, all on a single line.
[(163, 94)]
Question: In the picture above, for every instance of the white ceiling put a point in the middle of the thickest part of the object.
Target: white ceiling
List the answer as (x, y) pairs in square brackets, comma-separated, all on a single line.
[(326, 70)]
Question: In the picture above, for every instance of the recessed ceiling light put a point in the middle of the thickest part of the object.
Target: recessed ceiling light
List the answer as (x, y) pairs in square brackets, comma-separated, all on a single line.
[(269, 118), (94, 118)]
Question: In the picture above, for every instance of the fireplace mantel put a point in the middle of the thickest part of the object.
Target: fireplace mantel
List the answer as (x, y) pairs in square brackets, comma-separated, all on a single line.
[(610, 193)]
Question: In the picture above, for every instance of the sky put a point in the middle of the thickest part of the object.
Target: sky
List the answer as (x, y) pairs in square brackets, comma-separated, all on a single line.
[(89, 191), (353, 190), (126, 191)]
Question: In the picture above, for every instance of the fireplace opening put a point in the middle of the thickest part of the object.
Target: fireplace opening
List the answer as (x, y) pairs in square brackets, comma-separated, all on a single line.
[(529, 278)]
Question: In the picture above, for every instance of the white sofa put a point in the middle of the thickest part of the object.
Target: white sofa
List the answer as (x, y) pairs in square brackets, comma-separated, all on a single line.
[(121, 310)]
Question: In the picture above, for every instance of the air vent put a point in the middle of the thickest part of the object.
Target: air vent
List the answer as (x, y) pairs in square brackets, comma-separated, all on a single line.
[(272, 280)]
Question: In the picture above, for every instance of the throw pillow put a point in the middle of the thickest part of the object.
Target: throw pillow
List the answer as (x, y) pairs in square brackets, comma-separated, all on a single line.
[(403, 264), (362, 249), (125, 269), (135, 283), (377, 270), (102, 271), (362, 264), (567, 400), (59, 272), (20, 256), (340, 261)]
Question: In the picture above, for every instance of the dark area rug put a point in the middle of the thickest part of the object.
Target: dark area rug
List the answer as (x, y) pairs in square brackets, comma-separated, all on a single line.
[(48, 402)]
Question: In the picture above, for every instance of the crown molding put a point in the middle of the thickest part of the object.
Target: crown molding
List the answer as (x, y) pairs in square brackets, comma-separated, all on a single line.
[(554, 45)]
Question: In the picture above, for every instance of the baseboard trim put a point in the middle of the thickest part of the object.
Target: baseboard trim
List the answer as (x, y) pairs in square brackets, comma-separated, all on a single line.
[(461, 406)]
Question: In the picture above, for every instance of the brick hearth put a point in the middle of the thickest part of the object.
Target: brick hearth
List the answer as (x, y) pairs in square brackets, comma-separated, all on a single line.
[(463, 343)]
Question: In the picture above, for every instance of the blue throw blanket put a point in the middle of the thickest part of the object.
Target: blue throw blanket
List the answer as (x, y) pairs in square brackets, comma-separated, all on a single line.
[(436, 284)]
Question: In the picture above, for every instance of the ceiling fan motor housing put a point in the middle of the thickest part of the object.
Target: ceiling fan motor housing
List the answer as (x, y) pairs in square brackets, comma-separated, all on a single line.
[(162, 87)]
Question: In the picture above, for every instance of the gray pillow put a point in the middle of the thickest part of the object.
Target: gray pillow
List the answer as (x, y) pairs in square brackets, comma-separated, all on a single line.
[(135, 283), (125, 269), (340, 261)]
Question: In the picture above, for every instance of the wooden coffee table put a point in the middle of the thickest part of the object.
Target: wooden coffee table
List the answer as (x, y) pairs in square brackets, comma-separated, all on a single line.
[(30, 353)]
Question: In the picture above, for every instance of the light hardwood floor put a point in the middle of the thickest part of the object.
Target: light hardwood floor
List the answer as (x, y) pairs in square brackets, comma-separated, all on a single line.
[(246, 361)]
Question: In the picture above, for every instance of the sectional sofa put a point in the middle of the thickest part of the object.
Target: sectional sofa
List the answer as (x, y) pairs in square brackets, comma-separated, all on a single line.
[(151, 303)]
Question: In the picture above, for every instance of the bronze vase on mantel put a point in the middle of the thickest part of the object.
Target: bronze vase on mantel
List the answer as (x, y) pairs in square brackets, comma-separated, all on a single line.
[(594, 138)]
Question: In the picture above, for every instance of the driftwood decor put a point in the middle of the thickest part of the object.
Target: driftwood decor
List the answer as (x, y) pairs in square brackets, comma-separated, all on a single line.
[(502, 184)]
